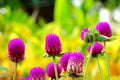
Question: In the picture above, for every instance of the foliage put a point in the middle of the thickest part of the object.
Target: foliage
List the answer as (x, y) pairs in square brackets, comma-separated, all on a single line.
[(68, 22)]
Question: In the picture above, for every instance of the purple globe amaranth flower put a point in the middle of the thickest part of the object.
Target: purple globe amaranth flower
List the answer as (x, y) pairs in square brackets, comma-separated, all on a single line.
[(36, 73), (53, 45), (64, 60), (16, 50), (82, 35), (50, 70), (104, 29), (75, 63), (97, 48)]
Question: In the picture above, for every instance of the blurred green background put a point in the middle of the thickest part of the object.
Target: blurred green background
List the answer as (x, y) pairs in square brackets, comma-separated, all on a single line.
[(32, 20)]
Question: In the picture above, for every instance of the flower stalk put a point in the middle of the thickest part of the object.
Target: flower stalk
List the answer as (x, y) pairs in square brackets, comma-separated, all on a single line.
[(56, 73), (88, 61), (15, 70), (106, 61), (99, 68)]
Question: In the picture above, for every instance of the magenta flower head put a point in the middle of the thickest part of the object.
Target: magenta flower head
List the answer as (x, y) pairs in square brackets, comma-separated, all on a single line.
[(82, 35), (50, 70), (75, 63), (36, 73), (97, 48), (64, 60), (104, 29), (16, 50), (53, 45)]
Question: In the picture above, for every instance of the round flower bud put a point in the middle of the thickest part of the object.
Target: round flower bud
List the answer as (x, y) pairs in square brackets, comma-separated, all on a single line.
[(97, 48), (86, 35), (104, 29), (89, 37), (50, 70), (36, 73), (53, 45), (16, 50), (75, 63), (64, 60)]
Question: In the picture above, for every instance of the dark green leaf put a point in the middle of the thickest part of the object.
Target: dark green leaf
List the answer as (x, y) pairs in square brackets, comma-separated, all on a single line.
[(59, 55), (47, 55), (89, 37), (95, 55)]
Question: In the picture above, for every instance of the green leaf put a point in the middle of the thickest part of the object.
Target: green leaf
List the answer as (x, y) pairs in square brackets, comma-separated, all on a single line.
[(95, 55), (101, 38), (59, 55), (102, 53), (62, 10), (47, 55), (104, 38), (112, 38), (3, 68), (63, 15)]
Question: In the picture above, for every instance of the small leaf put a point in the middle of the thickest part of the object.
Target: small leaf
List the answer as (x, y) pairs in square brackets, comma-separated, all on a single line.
[(104, 38), (59, 55), (47, 55), (101, 38), (3, 68), (102, 53), (112, 38)]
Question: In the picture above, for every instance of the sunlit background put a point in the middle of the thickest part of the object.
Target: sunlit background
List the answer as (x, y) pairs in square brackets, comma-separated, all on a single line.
[(32, 20)]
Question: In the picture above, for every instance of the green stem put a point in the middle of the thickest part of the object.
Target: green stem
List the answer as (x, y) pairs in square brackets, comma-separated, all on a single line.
[(15, 70), (55, 68), (99, 69), (73, 78), (88, 61), (106, 61)]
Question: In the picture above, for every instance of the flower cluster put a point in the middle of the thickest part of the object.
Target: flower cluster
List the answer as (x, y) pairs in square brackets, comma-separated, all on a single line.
[(36, 73), (71, 62), (104, 34), (104, 29)]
